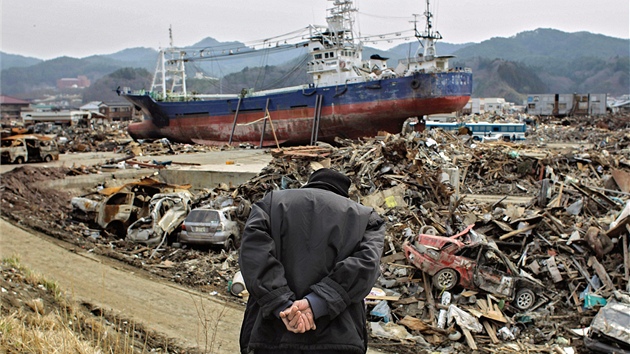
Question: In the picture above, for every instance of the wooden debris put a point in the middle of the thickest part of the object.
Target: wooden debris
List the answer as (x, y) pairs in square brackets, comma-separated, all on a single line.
[(427, 290), (602, 274), (492, 332), (626, 260), (553, 270), (516, 232), (469, 339), (383, 297)]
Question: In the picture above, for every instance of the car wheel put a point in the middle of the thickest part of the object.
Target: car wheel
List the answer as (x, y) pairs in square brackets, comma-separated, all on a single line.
[(445, 279), (48, 158), (244, 207), (229, 244), (19, 160), (524, 299)]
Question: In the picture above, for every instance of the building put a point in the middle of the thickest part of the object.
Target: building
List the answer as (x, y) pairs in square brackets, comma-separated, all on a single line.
[(79, 82), (91, 106), (560, 105), (11, 108), (116, 111), (621, 106), (492, 105)]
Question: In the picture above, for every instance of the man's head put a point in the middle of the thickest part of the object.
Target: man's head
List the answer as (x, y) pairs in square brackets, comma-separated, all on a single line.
[(331, 180)]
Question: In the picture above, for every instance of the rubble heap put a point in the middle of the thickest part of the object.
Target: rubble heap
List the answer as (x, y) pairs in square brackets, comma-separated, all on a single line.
[(561, 215)]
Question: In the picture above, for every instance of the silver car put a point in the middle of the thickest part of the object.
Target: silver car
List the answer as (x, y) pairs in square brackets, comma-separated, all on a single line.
[(206, 226)]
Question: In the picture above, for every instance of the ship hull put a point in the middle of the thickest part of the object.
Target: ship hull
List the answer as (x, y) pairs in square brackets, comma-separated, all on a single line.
[(347, 111)]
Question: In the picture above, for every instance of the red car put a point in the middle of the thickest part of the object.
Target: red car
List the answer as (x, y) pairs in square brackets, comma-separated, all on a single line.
[(469, 260)]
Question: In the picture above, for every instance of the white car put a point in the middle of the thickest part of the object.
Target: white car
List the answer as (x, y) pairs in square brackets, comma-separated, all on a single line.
[(206, 226)]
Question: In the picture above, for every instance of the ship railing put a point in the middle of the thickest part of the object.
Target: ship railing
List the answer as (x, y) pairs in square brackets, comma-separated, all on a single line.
[(279, 90), (213, 96), (407, 61)]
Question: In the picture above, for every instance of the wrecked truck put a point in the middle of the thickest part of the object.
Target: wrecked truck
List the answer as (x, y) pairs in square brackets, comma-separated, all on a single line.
[(114, 209), (469, 260), (168, 211), (28, 148)]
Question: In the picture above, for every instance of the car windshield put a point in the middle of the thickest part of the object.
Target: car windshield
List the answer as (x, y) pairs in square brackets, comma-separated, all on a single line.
[(203, 216)]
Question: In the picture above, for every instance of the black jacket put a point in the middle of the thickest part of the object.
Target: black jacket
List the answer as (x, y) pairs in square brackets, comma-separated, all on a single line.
[(305, 241)]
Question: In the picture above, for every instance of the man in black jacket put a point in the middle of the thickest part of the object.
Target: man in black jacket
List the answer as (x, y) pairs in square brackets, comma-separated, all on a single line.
[(309, 257)]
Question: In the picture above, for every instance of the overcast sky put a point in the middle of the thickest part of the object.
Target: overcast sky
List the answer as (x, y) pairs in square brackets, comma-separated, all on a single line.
[(47, 29)]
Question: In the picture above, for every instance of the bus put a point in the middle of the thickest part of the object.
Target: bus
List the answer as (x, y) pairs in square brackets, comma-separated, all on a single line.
[(484, 131), (63, 118), (448, 126)]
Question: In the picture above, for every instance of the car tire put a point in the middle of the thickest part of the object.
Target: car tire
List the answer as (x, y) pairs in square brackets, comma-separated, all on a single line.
[(19, 160), (243, 209), (524, 299), (48, 158), (229, 244), (445, 279)]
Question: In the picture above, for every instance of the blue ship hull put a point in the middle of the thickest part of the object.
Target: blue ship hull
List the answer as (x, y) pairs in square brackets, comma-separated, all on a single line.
[(295, 117)]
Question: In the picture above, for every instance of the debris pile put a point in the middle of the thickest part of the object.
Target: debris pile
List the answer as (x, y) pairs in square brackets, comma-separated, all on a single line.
[(558, 216), (110, 137)]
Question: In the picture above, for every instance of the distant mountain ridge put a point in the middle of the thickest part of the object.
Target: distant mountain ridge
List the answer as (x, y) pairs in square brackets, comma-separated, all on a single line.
[(530, 46), (537, 61), (14, 60)]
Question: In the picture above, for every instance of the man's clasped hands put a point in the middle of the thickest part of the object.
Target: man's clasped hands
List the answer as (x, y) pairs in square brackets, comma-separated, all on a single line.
[(298, 318)]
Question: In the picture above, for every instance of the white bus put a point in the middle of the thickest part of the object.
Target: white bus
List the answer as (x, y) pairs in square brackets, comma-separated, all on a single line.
[(449, 126), (61, 118), (484, 131)]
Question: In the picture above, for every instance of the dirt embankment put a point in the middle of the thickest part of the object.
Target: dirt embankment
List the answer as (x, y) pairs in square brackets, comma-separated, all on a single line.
[(173, 317)]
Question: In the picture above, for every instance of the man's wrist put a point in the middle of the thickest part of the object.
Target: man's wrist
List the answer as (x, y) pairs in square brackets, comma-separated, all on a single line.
[(318, 305)]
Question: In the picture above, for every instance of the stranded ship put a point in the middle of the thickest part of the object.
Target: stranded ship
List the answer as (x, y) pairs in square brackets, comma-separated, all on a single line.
[(349, 97)]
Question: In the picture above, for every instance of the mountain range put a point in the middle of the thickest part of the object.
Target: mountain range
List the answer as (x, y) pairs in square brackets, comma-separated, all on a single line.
[(537, 61)]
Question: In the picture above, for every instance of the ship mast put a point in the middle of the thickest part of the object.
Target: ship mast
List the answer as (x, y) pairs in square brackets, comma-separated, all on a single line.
[(171, 66), (341, 23), (428, 37)]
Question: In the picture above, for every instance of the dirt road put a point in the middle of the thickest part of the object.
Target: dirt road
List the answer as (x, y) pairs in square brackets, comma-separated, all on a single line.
[(164, 307)]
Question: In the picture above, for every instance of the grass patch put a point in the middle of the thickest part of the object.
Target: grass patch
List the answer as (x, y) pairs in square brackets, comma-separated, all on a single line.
[(37, 317)]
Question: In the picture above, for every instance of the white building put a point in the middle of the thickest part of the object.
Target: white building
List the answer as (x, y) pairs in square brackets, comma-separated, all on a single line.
[(493, 105), (550, 104)]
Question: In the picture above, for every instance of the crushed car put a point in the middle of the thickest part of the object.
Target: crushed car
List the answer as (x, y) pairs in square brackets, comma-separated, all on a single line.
[(467, 259), (114, 209), (167, 212)]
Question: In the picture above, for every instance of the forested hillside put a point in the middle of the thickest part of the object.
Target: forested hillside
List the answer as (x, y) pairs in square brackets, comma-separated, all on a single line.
[(104, 89)]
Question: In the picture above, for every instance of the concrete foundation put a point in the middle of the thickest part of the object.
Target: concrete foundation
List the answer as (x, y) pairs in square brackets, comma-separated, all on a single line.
[(199, 179)]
